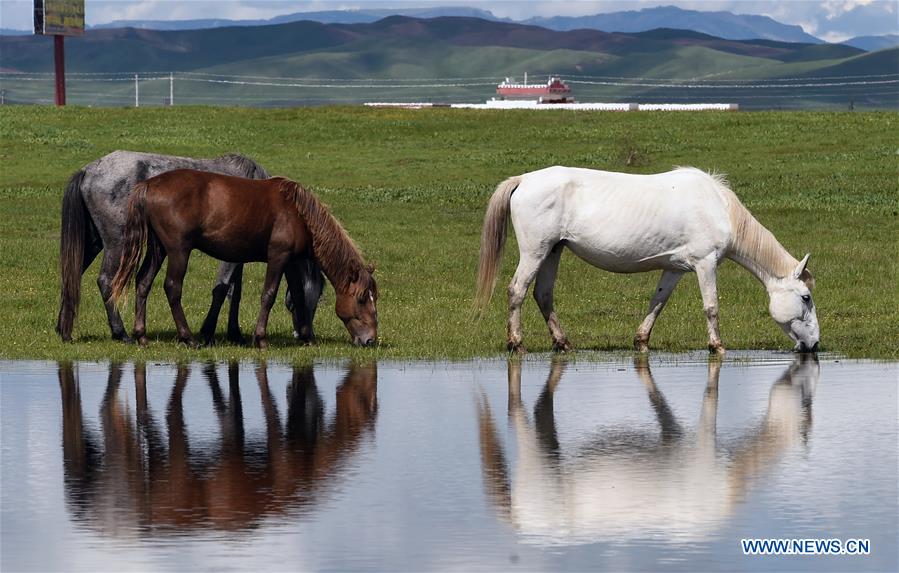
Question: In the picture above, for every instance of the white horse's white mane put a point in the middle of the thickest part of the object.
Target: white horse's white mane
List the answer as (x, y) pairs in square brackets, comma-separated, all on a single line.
[(750, 239)]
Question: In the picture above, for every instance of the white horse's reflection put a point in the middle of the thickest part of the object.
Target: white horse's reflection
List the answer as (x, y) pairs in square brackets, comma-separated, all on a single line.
[(628, 484)]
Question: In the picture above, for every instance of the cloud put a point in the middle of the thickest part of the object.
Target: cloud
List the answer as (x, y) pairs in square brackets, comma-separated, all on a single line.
[(858, 18), (836, 8)]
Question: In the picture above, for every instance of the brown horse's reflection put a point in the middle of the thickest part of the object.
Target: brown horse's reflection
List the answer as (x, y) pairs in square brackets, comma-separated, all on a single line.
[(139, 477), (625, 484)]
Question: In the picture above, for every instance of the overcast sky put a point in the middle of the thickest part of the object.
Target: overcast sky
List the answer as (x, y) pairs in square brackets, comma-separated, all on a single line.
[(833, 20)]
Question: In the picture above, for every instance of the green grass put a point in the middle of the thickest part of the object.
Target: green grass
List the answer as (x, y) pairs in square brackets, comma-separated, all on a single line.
[(410, 187)]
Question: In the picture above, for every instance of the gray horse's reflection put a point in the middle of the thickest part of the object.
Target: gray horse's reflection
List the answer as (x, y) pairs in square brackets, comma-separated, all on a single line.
[(625, 484), (134, 476)]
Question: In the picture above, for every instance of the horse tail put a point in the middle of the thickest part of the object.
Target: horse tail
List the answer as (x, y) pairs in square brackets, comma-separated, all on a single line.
[(72, 243), (135, 235), (493, 239)]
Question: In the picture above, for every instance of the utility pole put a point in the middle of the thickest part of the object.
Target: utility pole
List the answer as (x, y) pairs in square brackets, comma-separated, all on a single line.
[(59, 19), (136, 92), (59, 55), (171, 89)]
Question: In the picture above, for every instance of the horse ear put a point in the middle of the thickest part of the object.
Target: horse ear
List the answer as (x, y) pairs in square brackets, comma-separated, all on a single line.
[(800, 268), (370, 268)]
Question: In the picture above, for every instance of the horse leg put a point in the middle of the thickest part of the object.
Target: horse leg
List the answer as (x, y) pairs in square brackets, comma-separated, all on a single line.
[(145, 277), (543, 294), (174, 281), (108, 268), (706, 273), (227, 274), (528, 265), (234, 334), (667, 282), (708, 415), (671, 430), (313, 283), (544, 413), (91, 250), (302, 321), (273, 273)]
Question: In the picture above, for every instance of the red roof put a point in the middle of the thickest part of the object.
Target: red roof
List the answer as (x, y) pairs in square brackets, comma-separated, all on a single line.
[(553, 87)]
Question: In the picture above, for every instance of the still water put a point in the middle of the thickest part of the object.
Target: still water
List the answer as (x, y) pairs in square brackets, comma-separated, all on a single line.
[(487, 465)]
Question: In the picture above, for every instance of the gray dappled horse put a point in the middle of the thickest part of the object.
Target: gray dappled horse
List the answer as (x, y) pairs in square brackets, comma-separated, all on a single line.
[(94, 207)]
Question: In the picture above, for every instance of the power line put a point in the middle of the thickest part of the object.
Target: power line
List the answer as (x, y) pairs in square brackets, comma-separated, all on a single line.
[(658, 84), (468, 79)]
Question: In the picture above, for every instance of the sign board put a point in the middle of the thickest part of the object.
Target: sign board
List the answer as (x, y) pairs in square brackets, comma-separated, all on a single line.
[(59, 17)]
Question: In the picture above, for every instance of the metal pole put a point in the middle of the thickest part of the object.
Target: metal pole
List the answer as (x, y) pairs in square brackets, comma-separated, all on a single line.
[(136, 92), (59, 56), (171, 89)]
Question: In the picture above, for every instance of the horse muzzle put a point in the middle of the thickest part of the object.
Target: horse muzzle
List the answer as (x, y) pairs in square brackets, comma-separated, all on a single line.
[(803, 347), (365, 341)]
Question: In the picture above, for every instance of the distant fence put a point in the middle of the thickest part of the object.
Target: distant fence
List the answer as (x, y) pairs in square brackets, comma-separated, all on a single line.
[(194, 88)]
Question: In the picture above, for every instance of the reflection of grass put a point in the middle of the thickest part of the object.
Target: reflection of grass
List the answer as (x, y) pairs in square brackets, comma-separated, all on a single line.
[(410, 186)]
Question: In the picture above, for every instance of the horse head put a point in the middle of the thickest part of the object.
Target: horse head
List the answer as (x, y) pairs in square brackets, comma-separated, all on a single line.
[(357, 307), (792, 307)]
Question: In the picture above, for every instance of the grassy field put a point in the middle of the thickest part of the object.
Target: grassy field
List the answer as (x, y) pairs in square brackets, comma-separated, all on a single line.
[(410, 187)]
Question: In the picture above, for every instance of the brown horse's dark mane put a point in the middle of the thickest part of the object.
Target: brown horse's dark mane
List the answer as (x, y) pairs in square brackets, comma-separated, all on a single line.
[(338, 255)]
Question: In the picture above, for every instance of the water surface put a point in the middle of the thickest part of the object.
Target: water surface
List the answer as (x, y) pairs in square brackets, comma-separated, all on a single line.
[(487, 465)]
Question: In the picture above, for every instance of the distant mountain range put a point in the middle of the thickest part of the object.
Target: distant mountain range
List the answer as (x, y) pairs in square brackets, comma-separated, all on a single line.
[(139, 49), (598, 64), (362, 16), (721, 24), (874, 43)]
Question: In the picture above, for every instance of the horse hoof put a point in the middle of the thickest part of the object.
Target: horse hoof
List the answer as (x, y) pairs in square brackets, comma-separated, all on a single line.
[(189, 342), (717, 349), (516, 348), (124, 339), (142, 341), (562, 346), (209, 342), (237, 339), (641, 346), (260, 343)]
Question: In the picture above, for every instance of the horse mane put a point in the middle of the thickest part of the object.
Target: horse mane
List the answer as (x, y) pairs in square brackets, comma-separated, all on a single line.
[(338, 255), (247, 167), (750, 240)]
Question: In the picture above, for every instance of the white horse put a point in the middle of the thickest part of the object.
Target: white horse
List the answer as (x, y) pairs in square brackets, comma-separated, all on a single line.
[(680, 221)]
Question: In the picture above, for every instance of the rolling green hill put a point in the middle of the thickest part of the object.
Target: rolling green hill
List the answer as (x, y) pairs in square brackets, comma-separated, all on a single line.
[(442, 59)]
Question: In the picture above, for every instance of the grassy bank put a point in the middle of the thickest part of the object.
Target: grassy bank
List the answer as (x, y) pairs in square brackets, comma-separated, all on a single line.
[(410, 187)]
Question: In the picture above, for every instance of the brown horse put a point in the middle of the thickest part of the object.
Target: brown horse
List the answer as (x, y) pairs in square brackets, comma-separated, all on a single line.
[(241, 220)]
